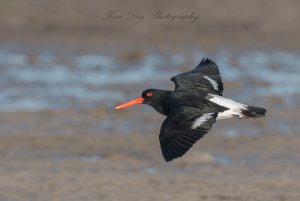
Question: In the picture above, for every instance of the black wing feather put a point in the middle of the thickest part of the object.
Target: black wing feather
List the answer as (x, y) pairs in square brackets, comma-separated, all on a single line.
[(195, 80), (177, 135)]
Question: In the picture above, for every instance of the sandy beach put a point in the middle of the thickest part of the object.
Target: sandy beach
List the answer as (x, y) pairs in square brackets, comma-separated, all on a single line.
[(56, 161)]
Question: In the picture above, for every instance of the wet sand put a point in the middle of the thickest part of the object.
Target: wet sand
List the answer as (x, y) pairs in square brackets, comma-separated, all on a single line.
[(58, 155), (101, 154)]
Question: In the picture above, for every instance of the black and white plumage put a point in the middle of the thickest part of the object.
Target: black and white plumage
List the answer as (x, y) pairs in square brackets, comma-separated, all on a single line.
[(205, 78), (192, 108)]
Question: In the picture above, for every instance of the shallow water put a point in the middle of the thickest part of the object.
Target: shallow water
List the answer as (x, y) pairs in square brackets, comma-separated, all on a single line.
[(37, 81), (33, 80)]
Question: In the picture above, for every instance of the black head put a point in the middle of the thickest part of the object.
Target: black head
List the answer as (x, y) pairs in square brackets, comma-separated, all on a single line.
[(153, 97)]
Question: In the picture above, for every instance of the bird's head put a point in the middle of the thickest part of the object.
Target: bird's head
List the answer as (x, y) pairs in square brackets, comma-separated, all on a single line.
[(151, 97)]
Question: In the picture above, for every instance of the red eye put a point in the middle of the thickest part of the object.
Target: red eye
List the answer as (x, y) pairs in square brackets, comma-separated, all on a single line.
[(149, 94)]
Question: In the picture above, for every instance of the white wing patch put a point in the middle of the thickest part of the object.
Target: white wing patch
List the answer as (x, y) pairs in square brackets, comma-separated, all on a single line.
[(213, 83), (199, 121)]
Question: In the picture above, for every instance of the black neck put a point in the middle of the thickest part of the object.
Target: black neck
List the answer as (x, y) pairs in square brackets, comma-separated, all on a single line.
[(161, 104)]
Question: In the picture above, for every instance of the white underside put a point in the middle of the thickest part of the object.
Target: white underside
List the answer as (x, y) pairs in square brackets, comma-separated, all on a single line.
[(234, 107)]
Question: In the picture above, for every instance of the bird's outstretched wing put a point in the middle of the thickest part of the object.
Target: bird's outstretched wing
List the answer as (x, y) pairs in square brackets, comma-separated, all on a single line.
[(205, 77), (181, 129)]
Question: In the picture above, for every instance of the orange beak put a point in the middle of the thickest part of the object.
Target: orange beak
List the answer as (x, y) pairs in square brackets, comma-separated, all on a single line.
[(138, 100)]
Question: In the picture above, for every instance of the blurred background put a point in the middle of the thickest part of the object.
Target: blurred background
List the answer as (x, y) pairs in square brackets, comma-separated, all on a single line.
[(65, 65)]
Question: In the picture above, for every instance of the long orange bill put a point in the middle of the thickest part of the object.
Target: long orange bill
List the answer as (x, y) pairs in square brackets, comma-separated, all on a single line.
[(138, 100)]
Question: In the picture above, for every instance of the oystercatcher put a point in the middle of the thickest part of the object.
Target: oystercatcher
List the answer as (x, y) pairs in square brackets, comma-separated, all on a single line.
[(192, 108)]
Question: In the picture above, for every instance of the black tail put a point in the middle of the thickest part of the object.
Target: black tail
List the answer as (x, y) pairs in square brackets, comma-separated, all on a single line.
[(255, 112)]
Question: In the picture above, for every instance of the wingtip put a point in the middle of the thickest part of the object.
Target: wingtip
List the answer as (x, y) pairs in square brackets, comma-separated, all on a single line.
[(169, 159), (206, 61)]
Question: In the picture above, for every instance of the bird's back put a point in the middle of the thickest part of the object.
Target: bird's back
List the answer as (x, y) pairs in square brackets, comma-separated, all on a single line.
[(196, 100)]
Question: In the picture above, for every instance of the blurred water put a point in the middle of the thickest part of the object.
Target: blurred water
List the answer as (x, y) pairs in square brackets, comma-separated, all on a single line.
[(87, 80)]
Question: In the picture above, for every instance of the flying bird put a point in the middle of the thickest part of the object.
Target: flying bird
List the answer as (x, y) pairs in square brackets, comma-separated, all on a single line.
[(192, 108)]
